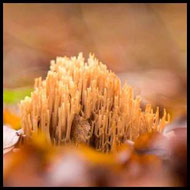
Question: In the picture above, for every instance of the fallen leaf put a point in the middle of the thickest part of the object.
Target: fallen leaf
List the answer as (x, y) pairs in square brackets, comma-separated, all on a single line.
[(10, 138), (178, 124), (153, 143), (11, 119)]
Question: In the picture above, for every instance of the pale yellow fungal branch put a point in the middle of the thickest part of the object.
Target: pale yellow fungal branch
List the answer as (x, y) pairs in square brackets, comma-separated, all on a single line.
[(87, 92)]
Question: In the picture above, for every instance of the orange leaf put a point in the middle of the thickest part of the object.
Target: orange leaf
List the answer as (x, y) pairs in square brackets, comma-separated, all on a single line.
[(11, 119)]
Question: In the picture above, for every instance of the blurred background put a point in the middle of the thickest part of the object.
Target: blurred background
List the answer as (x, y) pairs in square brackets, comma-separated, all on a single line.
[(144, 44)]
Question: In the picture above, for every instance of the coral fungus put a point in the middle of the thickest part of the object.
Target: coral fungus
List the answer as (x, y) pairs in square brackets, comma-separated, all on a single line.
[(83, 102)]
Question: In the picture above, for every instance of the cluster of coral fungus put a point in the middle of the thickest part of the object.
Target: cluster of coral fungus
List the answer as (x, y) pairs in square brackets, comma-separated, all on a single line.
[(83, 102)]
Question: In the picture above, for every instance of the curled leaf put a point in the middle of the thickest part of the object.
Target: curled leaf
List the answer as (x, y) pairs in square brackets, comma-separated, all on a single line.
[(10, 138)]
